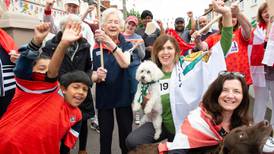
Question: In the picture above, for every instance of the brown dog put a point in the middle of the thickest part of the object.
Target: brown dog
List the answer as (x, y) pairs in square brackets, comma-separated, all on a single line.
[(247, 140), (241, 140)]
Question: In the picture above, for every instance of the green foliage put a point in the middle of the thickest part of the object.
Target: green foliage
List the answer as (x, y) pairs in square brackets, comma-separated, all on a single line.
[(133, 12)]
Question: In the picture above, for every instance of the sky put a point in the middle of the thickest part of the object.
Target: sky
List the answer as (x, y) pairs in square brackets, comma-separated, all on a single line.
[(167, 10)]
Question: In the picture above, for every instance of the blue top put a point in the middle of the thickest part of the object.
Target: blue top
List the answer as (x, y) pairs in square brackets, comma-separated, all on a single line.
[(24, 64), (115, 90)]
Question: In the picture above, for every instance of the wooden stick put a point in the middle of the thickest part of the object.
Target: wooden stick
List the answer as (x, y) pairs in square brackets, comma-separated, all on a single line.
[(100, 43), (213, 21), (209, 24)]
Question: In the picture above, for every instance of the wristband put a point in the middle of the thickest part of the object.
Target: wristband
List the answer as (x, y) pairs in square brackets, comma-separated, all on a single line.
[(47, 12), (114, 50)]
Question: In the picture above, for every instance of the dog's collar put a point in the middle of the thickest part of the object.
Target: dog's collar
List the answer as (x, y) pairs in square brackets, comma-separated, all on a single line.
[(144, 90), (149, 83)]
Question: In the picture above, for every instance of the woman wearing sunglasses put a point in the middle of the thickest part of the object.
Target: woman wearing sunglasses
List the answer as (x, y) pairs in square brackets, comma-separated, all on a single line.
[(224, 106)]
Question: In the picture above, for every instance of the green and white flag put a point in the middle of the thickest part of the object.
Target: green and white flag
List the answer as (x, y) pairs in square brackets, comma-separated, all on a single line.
[(191, 78)]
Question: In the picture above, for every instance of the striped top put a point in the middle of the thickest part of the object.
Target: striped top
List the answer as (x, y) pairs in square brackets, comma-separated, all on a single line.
[(7, 81)]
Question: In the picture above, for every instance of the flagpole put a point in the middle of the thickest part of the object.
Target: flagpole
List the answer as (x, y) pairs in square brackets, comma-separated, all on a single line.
[(100, 43)]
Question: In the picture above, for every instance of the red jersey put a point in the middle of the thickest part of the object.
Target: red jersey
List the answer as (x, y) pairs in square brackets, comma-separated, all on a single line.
[(37, 119), (237, 57)]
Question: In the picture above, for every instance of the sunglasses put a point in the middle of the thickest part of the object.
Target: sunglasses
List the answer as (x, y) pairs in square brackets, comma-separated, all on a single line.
[(236, 74)]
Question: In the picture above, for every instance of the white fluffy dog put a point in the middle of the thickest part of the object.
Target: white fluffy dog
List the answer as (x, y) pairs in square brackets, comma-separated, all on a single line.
[(148, 74)]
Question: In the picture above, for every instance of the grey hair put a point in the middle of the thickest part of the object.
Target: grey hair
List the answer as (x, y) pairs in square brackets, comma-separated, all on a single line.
[(114, 11), (66, 18)]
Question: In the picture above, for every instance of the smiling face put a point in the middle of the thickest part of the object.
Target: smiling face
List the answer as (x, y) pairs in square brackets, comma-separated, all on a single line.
[(203, 21), (167, 55), (265, 15), (130, 27), (75, 93), (112, 26), (231, 95), (146, 20)]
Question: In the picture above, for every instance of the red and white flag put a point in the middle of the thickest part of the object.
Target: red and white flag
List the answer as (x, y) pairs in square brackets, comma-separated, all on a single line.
[(196, 131)]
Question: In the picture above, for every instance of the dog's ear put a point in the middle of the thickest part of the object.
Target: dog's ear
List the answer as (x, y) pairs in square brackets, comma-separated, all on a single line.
[(158, 74)]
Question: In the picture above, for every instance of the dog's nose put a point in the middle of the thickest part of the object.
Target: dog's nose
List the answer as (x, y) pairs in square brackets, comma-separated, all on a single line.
[(142, 77), (266, 123)]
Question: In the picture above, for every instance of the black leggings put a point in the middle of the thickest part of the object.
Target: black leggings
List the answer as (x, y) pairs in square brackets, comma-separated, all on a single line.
[(83, 135), (124, 119)]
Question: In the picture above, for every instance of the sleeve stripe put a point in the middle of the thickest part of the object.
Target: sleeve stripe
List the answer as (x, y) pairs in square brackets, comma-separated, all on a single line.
[(74, 133)]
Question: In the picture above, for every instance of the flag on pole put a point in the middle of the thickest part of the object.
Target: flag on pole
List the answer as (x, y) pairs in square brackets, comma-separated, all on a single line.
[(191, 78)]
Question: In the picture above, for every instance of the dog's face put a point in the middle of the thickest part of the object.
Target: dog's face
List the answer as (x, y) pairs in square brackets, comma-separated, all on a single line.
[(148, 72), (247, 139)]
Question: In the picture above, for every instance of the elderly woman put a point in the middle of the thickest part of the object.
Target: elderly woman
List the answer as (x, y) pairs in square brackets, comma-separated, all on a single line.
[(112, 80)]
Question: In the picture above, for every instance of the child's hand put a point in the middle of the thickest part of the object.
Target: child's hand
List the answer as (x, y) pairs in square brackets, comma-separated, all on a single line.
[(40, 33), (13, 56)]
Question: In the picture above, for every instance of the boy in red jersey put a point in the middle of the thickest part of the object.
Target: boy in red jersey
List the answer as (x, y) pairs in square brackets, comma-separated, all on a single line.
[(39, 117)]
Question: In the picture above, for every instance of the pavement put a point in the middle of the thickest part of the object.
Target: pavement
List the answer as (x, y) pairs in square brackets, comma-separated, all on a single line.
[(93, 144)]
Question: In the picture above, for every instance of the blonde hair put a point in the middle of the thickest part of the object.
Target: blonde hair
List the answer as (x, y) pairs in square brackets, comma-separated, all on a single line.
[(114, 11)]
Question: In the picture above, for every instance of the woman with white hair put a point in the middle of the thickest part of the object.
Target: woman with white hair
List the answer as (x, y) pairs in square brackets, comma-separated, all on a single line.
[(112, 80)]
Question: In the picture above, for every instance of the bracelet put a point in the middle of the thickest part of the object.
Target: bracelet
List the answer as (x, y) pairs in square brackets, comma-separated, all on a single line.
[(114, 50)]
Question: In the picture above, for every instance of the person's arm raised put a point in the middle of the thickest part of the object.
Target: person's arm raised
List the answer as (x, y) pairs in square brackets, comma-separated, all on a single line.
[(71, 34), (246, 26), (29, 53)]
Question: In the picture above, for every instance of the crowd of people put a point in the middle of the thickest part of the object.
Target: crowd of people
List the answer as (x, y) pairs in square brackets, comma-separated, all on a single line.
[(45, 95)]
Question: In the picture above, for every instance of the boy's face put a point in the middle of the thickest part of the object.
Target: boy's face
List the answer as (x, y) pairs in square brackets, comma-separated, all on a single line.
[(41, 66), (75, 93)]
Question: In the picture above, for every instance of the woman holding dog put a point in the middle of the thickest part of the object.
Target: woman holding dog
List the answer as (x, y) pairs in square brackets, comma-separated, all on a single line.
[(166, 54)]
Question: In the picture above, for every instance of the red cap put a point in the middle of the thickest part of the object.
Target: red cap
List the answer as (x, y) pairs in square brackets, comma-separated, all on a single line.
[(132, 19)]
